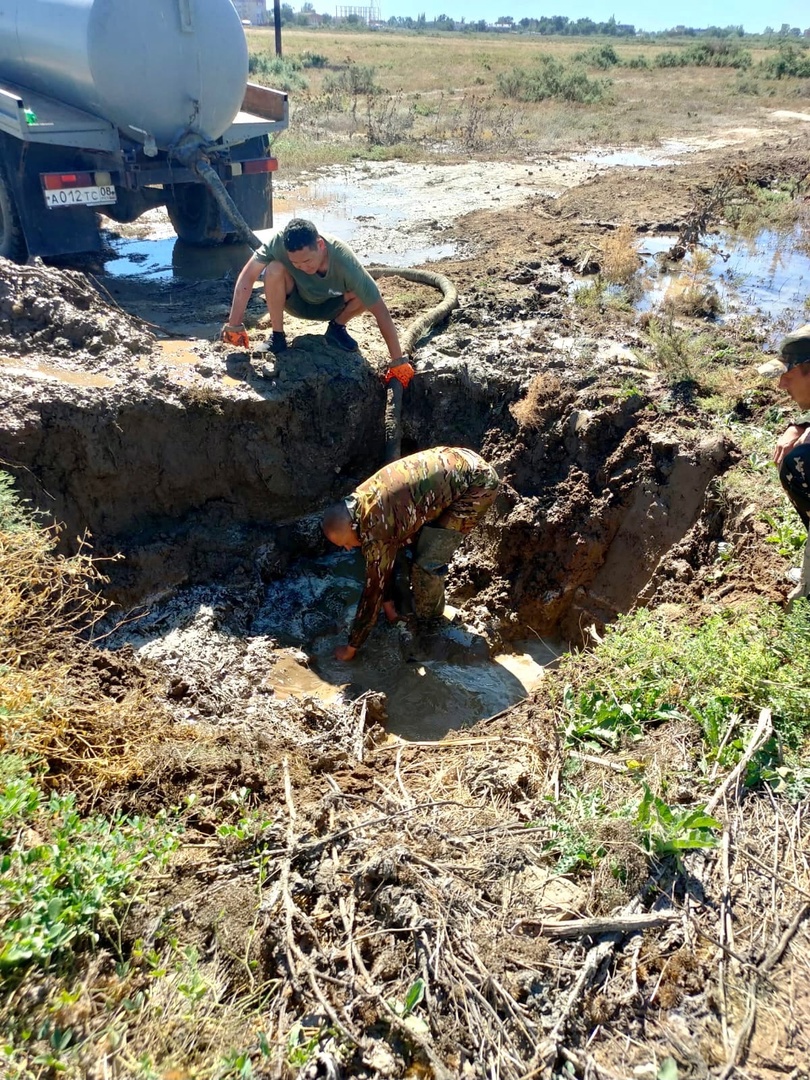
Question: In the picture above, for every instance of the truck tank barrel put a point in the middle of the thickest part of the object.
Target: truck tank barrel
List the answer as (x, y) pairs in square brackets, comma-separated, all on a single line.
[(154, 68)]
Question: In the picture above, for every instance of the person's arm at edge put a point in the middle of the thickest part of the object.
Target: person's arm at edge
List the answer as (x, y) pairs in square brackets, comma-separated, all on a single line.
[(387, 329), (248, 277), (795, 435)]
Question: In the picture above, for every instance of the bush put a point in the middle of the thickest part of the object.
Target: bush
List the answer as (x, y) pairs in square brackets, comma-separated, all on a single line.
[(720, 53), (282, 71), (314, 60), (640, 62), (553, 79), (356, 79), (600, 56), (790, 62)]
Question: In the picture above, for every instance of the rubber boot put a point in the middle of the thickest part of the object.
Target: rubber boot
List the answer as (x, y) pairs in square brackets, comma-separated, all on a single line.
[(432, 554), (803, 587)]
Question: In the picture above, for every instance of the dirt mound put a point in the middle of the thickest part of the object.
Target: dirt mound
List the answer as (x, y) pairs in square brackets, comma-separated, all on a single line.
[(57, 313)]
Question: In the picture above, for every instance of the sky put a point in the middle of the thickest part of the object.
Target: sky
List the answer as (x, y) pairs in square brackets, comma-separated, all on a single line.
[(752, 14)]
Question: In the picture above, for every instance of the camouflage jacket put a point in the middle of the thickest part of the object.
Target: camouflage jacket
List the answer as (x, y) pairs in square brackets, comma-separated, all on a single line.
[(392, 506)]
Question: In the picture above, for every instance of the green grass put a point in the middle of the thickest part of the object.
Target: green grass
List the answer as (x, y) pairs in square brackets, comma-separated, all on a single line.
[(733, 663)]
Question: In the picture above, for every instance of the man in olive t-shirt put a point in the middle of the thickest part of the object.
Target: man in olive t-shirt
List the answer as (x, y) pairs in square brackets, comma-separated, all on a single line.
[(313, 277)]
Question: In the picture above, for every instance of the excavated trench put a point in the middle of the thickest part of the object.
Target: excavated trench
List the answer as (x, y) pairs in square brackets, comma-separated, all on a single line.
[(208, 485)]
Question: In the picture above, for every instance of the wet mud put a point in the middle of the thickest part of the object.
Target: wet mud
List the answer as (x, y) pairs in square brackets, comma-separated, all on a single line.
[(126, 419), (201, 480)]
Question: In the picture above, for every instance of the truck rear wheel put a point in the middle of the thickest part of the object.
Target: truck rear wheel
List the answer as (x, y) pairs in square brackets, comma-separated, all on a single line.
[(194, 213), (12, 238)]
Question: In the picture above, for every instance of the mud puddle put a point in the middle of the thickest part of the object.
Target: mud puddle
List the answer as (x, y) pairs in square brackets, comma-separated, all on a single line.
[(40, 371), (283, 650), (766, 275), (433, 682), (392, 213)]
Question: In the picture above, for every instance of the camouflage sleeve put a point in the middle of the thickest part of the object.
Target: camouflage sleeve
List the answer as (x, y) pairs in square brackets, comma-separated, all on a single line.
[(379, 564)]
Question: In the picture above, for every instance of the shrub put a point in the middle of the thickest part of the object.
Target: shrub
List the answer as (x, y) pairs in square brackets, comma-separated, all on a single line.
[(640, 62), (706, 54), (790, 62), (553, 79), (314, 60), (355, 79), (284, 72), (600, 56)]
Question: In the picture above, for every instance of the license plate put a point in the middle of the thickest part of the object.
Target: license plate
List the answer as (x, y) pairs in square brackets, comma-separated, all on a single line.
[(80, 196)]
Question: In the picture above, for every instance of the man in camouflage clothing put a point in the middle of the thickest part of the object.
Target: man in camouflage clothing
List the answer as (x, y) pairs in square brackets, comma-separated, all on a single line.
[(440, 494)]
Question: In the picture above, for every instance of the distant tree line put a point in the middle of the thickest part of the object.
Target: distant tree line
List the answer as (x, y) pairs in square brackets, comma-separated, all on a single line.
[(544, 25)]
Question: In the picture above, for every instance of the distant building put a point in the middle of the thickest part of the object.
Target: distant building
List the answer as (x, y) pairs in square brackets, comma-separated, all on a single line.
[(252, 11)]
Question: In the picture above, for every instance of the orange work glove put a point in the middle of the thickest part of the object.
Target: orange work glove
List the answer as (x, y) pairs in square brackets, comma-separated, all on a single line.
[(402, 371), (235, 335)]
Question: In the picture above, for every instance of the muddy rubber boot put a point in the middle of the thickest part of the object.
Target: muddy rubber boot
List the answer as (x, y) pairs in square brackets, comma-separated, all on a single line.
[(432, 554), (803, 586)]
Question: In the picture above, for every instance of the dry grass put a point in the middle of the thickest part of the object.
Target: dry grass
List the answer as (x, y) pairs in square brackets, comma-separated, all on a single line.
[(91, 718), (620, 258), (540, 400), (436, 84)]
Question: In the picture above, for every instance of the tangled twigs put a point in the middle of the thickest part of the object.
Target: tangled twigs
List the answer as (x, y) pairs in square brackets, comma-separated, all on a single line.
[(295, 958), (706, 211)]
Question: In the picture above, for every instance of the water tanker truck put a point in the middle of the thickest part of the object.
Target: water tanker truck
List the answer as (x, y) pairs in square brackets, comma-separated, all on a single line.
[(121, 106)]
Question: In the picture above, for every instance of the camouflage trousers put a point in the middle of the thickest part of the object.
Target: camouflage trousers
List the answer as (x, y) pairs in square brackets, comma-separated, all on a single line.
[(464, 513), (794, 475)]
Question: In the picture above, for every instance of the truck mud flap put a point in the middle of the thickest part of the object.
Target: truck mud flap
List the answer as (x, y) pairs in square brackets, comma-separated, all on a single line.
[(48, 232)]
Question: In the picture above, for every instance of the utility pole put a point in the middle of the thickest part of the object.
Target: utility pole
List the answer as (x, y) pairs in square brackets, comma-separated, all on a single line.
[(277, 24)]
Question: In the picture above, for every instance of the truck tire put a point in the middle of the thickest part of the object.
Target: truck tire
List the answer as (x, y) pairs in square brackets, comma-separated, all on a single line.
[(194, 213), (12, 237)]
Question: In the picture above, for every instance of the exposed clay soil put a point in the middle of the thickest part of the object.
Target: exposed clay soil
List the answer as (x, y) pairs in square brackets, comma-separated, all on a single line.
[(200, 470)]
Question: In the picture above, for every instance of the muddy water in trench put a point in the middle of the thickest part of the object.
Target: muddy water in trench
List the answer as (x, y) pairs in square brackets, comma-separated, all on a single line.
[(282, 648), (434, 682)]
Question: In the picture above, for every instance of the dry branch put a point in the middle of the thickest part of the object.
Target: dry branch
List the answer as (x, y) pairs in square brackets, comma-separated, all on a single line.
[(615, 924), (762, 733)]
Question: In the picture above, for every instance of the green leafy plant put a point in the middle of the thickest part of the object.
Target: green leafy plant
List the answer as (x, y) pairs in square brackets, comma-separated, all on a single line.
[(596, 717), (404, 1009), (303, 1043), (788, 534), (63, 876), (666, 830)]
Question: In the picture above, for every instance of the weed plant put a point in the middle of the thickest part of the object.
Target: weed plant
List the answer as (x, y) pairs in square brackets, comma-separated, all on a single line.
[(754, 208), (63, 877)]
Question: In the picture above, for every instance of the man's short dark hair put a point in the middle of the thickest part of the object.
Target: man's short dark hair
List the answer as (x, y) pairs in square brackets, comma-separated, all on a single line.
[(335, 518), (299, 234)]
